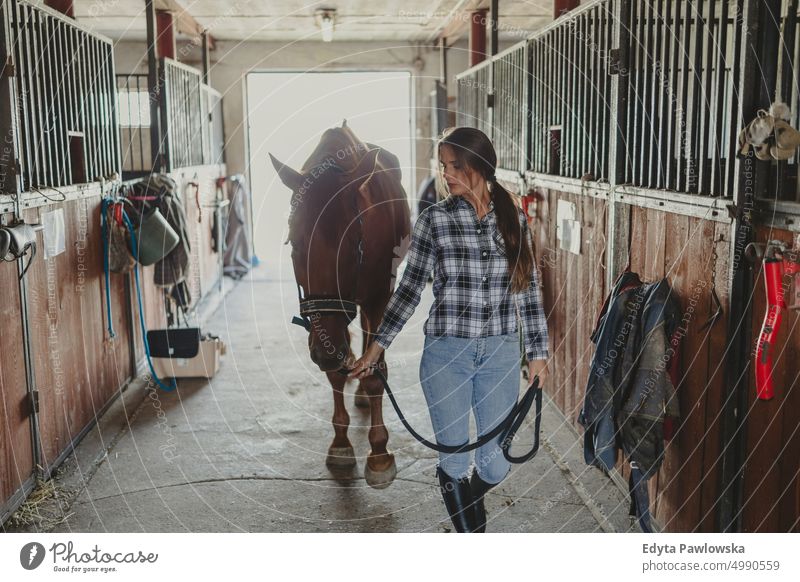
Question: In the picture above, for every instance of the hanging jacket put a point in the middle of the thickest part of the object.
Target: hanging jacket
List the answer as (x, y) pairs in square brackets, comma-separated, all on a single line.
[(172, 269), (630, 391)]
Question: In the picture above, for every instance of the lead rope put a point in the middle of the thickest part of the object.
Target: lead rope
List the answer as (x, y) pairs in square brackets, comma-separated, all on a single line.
[(172, 385), (507, 428)]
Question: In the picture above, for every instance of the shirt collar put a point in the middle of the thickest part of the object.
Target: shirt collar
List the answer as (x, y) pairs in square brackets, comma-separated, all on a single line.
[(454, 201)]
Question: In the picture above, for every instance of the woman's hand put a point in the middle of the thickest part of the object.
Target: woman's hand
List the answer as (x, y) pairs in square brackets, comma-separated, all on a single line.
[(364, 365), (537, 368)]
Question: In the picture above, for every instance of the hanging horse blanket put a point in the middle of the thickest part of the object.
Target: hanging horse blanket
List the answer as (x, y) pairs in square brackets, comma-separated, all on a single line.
[(237, 259), (630, 392)]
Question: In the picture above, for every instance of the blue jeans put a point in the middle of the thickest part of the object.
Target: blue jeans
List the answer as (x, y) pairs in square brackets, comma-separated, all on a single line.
[(483, 374)]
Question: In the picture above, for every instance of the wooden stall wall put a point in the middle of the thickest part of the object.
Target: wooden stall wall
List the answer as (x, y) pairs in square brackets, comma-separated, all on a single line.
[(16, 454), (684, 492), (771, 496), (573, 294), (77, 365), (683, 249)]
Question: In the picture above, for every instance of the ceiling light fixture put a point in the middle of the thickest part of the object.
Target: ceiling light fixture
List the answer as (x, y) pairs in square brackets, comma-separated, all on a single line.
[(325, 19)]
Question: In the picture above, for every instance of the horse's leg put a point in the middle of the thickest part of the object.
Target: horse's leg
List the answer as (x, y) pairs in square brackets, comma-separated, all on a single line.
[(340, 453), (361, 398), (380, 469)]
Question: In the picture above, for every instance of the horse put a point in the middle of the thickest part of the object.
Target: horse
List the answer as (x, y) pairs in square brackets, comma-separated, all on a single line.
[(349, 228)]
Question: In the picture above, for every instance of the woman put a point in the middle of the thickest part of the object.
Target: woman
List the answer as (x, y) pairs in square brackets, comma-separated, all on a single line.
[(478, 243)]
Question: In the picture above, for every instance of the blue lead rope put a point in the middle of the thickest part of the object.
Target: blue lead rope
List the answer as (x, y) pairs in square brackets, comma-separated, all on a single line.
[(172, 385), (105, 233)]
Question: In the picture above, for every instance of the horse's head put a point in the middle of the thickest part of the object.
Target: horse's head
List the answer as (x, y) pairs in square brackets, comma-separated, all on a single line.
[(324, 233)]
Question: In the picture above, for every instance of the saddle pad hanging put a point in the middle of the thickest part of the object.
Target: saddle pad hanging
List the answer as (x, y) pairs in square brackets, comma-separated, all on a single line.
[(174, 343)]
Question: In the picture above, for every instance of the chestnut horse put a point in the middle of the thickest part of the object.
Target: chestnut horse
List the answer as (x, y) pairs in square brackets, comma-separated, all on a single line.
[(349, 227)]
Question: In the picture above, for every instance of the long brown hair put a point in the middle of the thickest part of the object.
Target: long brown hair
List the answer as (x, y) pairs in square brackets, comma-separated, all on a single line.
[(473, 149)]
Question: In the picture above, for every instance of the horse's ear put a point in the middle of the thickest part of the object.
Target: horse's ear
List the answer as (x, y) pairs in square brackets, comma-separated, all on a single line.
[(344, 122), (288, 176), (366, 167)]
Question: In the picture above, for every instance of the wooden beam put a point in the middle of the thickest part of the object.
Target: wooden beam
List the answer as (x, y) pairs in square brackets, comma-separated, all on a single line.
[(185, 23)]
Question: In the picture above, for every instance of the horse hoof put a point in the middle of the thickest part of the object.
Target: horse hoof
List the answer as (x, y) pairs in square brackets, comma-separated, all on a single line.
[(380, 479), (340, 457), (361, 398)]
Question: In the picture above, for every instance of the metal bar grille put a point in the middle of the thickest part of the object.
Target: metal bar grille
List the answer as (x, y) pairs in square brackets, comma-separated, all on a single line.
[(784, 181), (571, 94), (678, 125), (217, 134), (511, 108), (183, 110), (473, 90), (64, 85), (682, 98), (134, 123)]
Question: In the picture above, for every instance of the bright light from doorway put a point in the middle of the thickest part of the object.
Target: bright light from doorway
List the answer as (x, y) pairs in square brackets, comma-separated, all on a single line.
[(288, 112)]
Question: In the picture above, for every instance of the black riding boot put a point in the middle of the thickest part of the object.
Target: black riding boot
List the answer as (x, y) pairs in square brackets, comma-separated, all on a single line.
[(478, 488), (458, 501)]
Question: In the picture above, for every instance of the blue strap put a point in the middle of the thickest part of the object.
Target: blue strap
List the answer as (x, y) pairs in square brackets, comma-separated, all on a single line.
[(640, 499), (104, 233), (172, 385)]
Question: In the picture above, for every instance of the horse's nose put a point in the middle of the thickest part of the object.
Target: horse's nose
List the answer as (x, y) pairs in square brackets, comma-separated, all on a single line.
[(328, 359)]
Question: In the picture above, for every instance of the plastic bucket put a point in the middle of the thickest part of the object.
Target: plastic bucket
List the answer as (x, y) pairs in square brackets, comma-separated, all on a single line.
[(155, 237)]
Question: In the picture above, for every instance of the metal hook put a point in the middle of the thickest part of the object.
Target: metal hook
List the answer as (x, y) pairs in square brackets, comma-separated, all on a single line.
[(716, 315)]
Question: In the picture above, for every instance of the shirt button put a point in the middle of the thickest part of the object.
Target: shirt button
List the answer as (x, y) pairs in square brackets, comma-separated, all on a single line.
[(479, 231), (484, 253), (484, 279)]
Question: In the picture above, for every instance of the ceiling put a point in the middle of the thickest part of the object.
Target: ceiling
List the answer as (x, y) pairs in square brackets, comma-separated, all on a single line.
[(291, 20)]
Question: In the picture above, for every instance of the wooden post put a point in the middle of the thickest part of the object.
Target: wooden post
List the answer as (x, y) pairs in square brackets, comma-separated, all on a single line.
[(757, 79), (63, 6), (206, 57), (153, 90), (477, 37), (494, 19), (165, 24), (563, 6), (443, 60)]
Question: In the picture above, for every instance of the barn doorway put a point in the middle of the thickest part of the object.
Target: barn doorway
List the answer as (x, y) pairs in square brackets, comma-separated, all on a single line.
[(287, 112)]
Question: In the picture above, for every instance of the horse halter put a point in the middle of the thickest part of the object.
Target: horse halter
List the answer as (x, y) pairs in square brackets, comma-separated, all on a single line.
[(316, 304)]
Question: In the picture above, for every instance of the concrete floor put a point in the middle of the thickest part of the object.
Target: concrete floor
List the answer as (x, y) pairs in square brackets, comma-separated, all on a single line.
[(245, 451)]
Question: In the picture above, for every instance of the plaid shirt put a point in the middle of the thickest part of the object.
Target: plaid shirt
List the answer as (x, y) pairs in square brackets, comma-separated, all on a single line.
[(471, 281)]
